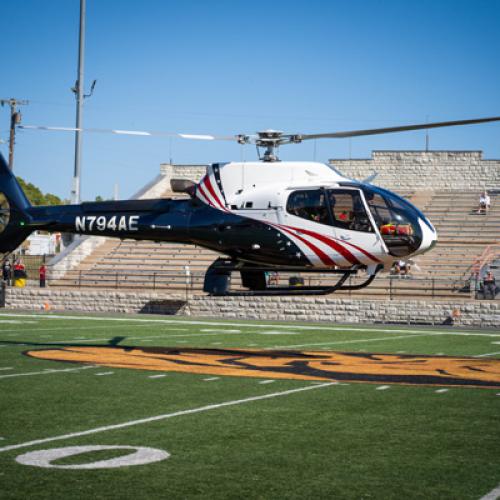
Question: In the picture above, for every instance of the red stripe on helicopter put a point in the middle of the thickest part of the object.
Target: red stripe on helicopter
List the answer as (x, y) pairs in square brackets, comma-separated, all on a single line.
[(211, 190), (205, 198), (327, 240), (327, 261), (362, 250), (335, 245)]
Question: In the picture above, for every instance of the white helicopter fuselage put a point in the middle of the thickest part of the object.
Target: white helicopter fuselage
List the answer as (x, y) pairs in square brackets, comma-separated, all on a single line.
[(333, 220)]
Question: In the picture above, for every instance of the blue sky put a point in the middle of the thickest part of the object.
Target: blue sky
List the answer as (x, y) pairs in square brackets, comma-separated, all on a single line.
[(228, 67)]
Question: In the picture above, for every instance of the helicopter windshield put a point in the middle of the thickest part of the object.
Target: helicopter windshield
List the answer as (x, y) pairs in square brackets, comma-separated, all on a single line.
[(396, 218), (341, 207)]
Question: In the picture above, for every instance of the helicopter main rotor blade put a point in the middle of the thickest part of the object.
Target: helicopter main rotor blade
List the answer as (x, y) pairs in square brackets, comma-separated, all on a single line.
[(199, 137), (389, 130)]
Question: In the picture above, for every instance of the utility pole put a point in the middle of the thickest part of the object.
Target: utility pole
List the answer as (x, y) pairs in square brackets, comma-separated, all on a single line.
[(78, 90), (15, 119)]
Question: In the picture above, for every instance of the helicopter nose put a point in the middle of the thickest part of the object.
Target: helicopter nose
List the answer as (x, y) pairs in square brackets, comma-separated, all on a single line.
[(429, 236)]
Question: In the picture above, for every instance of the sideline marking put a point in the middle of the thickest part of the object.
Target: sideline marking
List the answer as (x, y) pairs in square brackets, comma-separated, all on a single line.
[(4, 368), (257, 325), (440, 391), (47, 371), (277, 332), (218, 330), (485, 355), (163, 417), (18, 321), (103, 373), (157, 376), (492, 495), (382, 387)]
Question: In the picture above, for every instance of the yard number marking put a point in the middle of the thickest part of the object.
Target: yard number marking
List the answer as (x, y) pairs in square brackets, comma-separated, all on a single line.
[(44, 458)]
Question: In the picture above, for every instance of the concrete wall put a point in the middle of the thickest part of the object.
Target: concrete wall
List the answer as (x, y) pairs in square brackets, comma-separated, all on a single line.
[(39, 299), (192, 172), (421, 170), (414, 170), (329, 309)]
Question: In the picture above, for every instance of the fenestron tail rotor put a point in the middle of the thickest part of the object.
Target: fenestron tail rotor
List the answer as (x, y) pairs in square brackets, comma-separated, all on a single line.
[(271, 140)]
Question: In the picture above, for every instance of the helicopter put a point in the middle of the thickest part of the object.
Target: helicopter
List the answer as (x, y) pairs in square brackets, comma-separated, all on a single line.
[(264, 216)]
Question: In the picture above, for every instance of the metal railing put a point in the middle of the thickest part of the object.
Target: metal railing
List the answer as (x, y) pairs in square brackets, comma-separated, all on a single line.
[(188, 282)]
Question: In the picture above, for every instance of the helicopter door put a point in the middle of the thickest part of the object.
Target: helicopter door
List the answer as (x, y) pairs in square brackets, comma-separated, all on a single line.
[(352, 224), (339, 220)]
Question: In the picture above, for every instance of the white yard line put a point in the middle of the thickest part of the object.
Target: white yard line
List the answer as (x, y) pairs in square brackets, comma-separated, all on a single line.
[(46, 372), (382, 387), (163, 417), (492, 495), (348, 341), (70, 328), (487, 354), (256, 325), (66, 342)]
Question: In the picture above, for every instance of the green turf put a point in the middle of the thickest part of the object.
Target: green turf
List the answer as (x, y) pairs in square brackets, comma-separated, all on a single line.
[(330, 441)]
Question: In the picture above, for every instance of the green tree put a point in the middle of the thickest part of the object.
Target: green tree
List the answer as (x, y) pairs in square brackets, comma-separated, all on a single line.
[(36, 197)]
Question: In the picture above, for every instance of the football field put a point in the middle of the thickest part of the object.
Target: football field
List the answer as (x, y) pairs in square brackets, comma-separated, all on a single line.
[(158, 407)]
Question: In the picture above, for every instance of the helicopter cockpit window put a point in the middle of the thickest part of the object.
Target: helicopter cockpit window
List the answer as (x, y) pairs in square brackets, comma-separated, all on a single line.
[(396, 219), (4, 212), (342, 208), (348, 210), (309, 204)]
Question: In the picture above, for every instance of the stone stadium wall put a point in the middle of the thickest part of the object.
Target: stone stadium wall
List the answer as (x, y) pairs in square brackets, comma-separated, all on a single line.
[(478, 314), (424, 170), (192, 172), (404, 170)]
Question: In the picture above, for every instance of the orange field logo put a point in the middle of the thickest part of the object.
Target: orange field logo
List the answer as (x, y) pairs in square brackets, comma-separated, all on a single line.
[(310, 365)]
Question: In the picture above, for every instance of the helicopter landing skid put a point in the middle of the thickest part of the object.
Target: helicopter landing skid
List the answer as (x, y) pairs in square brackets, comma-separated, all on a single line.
[(218, 278)]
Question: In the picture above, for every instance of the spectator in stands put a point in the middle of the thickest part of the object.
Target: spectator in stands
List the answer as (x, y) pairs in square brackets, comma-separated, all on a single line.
[(43, 274), (484, 203), (6, 271), (489, 285), (19, 274), (402, 268), (273, 278)]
